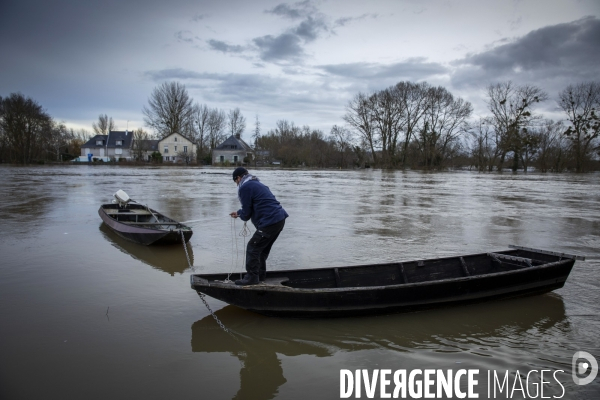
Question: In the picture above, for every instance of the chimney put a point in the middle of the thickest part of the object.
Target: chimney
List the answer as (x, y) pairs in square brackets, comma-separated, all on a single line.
[(238, 136)]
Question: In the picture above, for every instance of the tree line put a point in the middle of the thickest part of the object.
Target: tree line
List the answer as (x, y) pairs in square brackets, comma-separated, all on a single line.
[(407, 125), (28, 134)]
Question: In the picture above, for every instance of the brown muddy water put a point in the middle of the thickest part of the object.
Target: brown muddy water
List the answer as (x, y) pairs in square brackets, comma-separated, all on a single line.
[(88, 315)]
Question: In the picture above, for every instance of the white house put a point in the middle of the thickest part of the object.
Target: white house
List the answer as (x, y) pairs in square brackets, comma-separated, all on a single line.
[(177, 148)]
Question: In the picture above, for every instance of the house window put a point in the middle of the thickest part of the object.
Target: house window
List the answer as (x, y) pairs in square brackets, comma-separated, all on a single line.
[(99, 142), (119, 143), (222, 159), (185, 149), (175, 138), (175, 149), (166, 150), (235, 158), (118, 151)]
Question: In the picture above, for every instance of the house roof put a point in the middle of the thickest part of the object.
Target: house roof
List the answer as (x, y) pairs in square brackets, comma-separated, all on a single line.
[(125, 136), (234, 143), (149, 144)]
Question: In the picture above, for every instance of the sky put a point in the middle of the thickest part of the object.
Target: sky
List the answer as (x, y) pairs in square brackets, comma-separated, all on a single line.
[(298, 61)]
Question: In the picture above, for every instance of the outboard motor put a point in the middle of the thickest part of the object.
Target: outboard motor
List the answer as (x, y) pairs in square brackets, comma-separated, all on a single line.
[(121, 198)]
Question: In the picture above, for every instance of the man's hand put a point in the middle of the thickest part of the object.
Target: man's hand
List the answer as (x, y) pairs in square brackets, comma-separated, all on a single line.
[(234, 214)]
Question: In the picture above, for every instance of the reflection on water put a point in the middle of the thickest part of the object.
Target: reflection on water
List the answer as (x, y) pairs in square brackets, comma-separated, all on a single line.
[(258, 340), (170, 259)]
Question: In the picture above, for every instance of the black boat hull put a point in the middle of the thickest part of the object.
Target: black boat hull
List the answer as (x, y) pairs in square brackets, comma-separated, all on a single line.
[(359, 296)]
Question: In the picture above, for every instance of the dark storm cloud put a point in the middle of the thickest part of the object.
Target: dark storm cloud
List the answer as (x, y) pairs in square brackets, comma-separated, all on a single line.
[(224, 47), (288, 46), (412, 69), (549, 57)]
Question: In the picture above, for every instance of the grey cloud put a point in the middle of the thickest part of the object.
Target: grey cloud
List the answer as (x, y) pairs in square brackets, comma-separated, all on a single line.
[(298, 10), (173, 73), (185, 36), (224, 47), (412, 69), (346, 20), (198, 17), (257, 90), (549, 57), (285, 47), (310, 28)]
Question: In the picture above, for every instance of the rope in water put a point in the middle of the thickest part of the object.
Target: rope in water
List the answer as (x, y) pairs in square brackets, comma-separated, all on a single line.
[(202, 297)]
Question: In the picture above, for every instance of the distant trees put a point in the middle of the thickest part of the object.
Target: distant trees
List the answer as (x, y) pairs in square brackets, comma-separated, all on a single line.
[(170, 110), (388, 121), (581, 103), (513, 130), (24, 128), (301, 146), (512, 114)]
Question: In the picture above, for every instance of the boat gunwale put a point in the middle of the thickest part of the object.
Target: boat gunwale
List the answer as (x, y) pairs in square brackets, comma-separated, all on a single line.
[(281, 287)]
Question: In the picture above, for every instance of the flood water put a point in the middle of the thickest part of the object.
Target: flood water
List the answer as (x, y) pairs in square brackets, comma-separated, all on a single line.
[(88, 315)]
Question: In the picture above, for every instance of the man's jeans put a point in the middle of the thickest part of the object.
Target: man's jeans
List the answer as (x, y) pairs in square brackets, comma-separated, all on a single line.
[(259, 248)]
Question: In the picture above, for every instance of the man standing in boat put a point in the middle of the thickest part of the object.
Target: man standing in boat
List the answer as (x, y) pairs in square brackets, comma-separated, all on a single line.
[(267, 215)]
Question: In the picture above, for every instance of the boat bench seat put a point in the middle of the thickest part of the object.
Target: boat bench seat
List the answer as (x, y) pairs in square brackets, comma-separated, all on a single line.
[(130, 212)]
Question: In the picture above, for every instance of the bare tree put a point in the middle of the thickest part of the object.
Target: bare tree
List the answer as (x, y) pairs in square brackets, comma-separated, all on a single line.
[(482, 149), (141, 144), (360, 117), (342, 139), (170, 110), (216, 128), (445, 118), (103, 125), (256, 133), (236, 123), (412, 98), (512, 112), (581, 103), (388, 119), (552, 150), (202, 120), (57, 138)]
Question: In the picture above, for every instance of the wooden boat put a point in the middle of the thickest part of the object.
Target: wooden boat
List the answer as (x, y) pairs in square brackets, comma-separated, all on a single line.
[(141, 224), (395, 287)]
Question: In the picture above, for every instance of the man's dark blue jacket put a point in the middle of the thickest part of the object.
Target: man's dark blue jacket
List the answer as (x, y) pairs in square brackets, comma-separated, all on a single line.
[(259, 205)]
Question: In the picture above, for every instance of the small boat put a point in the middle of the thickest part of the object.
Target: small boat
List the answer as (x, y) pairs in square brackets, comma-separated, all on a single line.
[(395, 287), (141, 224)]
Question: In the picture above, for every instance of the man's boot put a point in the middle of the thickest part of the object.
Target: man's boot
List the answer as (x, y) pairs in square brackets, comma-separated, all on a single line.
[(249, 279)]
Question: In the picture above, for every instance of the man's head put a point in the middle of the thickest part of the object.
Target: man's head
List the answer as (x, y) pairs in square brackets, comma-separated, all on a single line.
[(238, 173)]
